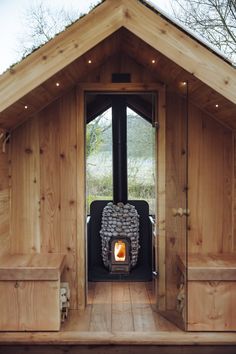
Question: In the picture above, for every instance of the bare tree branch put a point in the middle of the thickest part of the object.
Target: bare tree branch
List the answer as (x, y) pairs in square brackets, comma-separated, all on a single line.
[(40, 24), (214, 20)]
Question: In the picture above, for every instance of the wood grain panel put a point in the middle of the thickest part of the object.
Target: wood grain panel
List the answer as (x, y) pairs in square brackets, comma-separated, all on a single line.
[(141, 308), (31, 267), (119, 64), (23, 305), (25, 224), (49, 179), (4, 167), (211, 306), (161, 199), (130, 303), (68, 185), (58, 158), (34, 315), (209, 266), (122, 319), (101, 308), (81, 202), (162, 338), (4, 201), (44, 160), (9, 302), (234, 194), (4, 221), (79, 320), (210, 185)]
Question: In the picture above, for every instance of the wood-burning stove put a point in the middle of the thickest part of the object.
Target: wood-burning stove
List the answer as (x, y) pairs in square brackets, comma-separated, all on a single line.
[(98, 267), (119, 255)]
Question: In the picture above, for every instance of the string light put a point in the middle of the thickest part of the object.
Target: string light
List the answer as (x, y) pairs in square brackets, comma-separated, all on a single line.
[(26, 107), (57, 84), (89, 61)]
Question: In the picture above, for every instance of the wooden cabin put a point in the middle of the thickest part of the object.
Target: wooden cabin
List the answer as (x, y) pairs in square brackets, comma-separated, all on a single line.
[(189, 306)]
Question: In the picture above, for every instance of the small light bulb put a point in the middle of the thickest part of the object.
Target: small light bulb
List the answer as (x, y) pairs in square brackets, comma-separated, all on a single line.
[(184, 83), (26, 107), (216, 105), (90, 61), (153, 61), (57, 84)]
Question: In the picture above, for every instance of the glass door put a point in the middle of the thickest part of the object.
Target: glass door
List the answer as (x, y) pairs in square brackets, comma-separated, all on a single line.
[(173, 235)]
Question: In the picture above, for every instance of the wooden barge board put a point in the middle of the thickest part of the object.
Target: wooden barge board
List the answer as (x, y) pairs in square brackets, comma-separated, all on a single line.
[(119, 338)]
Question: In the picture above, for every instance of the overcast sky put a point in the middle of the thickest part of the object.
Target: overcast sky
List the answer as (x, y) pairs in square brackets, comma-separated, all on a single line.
[(11, 22)]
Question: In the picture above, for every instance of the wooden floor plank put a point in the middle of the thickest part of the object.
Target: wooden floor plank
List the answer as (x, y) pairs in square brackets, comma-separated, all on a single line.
[(122, 317), (79, 320), (162, 324), (141, 308), (101, 308), (112, 302), (91, 293)]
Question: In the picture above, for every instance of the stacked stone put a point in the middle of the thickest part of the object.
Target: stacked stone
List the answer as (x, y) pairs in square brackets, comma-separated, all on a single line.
[(121, 220)]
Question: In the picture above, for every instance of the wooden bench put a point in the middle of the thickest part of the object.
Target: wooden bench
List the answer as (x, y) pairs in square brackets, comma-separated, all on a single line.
[(30, 292), (211, 291)]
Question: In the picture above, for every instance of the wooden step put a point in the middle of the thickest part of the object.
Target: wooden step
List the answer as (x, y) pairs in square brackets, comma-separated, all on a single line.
[(31, 266), (209, 266)]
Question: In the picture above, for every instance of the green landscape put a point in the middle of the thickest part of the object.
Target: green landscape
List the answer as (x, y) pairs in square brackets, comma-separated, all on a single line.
[(141, 159)]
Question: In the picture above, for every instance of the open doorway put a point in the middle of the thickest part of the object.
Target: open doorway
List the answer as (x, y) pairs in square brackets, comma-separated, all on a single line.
[(121, 177)]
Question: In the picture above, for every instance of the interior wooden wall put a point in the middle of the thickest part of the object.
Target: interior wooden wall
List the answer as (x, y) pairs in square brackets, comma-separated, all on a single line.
[(25, 188), (4, 201), (44, 180), (234, 194), (58, 174), (211, 170), (210, 187)]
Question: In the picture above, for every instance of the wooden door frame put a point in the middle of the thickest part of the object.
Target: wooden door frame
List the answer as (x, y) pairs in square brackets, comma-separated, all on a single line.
[(160, 122)]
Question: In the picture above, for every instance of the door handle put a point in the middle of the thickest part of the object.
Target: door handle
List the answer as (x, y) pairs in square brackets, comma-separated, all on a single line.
[(180, 212)]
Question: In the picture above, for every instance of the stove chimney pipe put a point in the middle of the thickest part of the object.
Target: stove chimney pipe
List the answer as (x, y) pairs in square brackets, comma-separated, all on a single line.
[(119, 138)]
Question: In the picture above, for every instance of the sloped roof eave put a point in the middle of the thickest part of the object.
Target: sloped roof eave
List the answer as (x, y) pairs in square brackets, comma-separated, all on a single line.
[(187, 31), (110, 16)]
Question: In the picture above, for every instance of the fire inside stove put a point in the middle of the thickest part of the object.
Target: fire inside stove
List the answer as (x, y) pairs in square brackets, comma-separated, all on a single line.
[(120, 251), (120, 256), (120, 237)]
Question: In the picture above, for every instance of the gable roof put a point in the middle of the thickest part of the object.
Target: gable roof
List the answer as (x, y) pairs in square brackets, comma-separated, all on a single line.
[(101, 23), (187, 30)]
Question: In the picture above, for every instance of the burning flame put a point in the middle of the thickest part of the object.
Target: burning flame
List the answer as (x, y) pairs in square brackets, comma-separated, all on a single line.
[(119, 251)]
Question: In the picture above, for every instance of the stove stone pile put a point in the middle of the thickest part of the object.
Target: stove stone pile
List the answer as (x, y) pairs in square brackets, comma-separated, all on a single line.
[(120, 237)]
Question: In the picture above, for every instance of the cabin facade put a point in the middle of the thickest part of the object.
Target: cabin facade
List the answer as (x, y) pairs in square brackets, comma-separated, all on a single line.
[(188, 93)]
